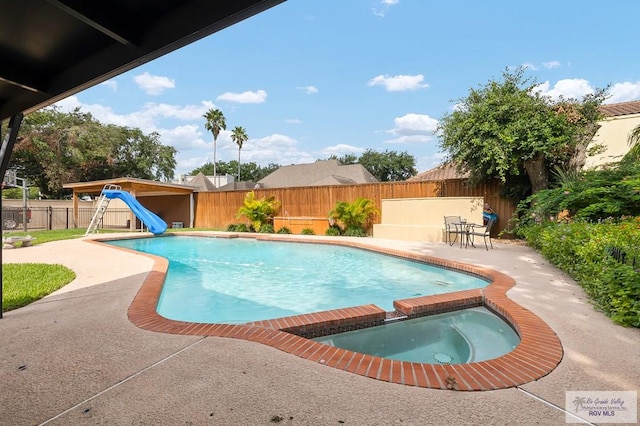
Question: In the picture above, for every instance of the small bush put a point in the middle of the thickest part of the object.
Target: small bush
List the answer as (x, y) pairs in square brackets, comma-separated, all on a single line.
[(267, 228), (259, 212), (355, 231), (333, 231), (284, 230), (233, 227), (308, 231), (359, 213), (242, 227)]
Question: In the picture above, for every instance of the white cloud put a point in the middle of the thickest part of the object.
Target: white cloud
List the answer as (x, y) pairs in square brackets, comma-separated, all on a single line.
[(293, 121), (624, 92), (145, 118), (413, 128), (399, 83), (535, 67), (383, 7), (186, 137), (415, 124), (247, 97), (112, 84), (154, 84), (275, 148), (309, 90), (551, 64), (341, 149), (570, 88), (186, 112)]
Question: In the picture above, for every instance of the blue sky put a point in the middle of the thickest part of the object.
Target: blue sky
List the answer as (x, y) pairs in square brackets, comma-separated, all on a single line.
[(311, 78)]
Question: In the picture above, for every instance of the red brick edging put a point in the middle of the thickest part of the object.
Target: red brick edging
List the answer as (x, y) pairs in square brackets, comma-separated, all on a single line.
[(538, 353)]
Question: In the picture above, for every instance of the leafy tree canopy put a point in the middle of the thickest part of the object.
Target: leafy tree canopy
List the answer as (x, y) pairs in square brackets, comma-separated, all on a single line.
[(55, 148), (250, 172), (507, 129), (387, 166)]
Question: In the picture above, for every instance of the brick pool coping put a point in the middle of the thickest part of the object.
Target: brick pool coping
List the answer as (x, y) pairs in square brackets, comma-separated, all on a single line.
[(538, 353)]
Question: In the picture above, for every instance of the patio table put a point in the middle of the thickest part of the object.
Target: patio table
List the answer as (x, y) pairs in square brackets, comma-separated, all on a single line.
[(464, 230)]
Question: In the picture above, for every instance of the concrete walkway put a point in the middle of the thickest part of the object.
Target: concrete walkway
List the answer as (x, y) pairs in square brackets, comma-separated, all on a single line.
[(74, 358)]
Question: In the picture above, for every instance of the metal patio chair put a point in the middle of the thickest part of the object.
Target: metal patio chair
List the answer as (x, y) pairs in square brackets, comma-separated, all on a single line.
[(450, 228), (482, 231)]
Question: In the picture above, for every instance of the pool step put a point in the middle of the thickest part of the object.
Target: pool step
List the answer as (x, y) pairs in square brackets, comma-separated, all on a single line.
[(394, 316)]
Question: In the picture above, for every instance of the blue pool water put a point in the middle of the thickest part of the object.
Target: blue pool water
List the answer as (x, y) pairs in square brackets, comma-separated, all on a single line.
[(221, 280), (469, 335)]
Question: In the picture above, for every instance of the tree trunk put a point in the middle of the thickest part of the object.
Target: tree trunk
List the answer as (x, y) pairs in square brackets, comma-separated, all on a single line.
[(538, 174), (215, 179)]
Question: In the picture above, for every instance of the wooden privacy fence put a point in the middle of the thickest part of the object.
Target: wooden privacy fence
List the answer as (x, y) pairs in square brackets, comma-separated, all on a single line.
[(218, 209)]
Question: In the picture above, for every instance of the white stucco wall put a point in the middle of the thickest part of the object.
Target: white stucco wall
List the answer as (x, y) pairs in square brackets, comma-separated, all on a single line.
[(613, 134)]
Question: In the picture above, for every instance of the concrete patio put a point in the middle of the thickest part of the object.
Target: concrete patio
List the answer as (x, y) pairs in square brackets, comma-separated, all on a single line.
[(74, 357)]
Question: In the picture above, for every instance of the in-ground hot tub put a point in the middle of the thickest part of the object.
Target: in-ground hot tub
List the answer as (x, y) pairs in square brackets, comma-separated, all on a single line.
[(468, 335)]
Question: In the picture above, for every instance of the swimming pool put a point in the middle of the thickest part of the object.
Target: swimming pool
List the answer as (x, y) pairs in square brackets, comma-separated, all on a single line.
[(223, 280), (537, 354)]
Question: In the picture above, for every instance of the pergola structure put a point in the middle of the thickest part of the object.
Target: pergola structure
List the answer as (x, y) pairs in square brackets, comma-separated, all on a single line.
[(164, 197), (51, 49)]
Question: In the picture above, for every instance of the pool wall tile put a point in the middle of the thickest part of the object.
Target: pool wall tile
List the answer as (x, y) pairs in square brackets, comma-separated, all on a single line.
[(538, 353)]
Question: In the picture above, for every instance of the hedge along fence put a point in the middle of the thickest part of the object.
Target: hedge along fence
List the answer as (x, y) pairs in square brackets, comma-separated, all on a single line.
[(218, 209)]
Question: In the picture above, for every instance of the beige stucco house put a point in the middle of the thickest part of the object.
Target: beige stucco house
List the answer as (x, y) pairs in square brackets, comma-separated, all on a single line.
[(613, 133)]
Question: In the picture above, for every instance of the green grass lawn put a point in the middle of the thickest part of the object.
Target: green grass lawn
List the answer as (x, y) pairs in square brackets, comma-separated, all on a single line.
[(23, 283), (54, 235)]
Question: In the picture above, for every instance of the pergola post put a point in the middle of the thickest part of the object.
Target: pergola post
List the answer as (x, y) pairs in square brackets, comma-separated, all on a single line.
[(8, 142)]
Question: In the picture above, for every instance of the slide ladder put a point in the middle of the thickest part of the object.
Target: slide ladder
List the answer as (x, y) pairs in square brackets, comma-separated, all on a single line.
[(103, 203)]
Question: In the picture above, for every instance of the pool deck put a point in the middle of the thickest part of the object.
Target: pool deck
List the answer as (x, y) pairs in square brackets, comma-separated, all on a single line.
[(75, 357)]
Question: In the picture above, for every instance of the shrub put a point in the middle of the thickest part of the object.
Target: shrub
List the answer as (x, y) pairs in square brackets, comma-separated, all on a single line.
[(604, 258), (308, 231), (333, 231), (284, 230), (232, 227), (594, 195), (243, 227), (355, 231), (259, 212), (267, 228), (358, 214)]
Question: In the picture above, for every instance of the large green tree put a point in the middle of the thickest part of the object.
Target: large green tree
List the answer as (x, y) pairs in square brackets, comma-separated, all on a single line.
[(387, 166), (239, 136), (215, 123), (55, 148), (507, 129), (250, 171)]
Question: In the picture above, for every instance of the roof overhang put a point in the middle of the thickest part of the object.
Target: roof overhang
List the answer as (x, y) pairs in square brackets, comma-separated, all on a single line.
[(137, 187), (51, 49)]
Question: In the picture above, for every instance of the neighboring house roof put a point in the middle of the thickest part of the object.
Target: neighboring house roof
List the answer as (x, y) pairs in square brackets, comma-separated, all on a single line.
[(446, 171), (237, 186), (623, 108), (320, 173), (201, 183)]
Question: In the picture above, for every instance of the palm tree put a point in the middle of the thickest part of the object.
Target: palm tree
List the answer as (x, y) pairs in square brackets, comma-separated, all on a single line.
[(214, 124), (239, 136), (634, 143)]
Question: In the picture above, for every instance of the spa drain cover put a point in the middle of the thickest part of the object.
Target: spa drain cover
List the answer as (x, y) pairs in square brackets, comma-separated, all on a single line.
[(443, 358)]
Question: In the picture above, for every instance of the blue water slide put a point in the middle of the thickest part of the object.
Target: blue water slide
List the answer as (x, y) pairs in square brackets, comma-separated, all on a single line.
[(154, 223)]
